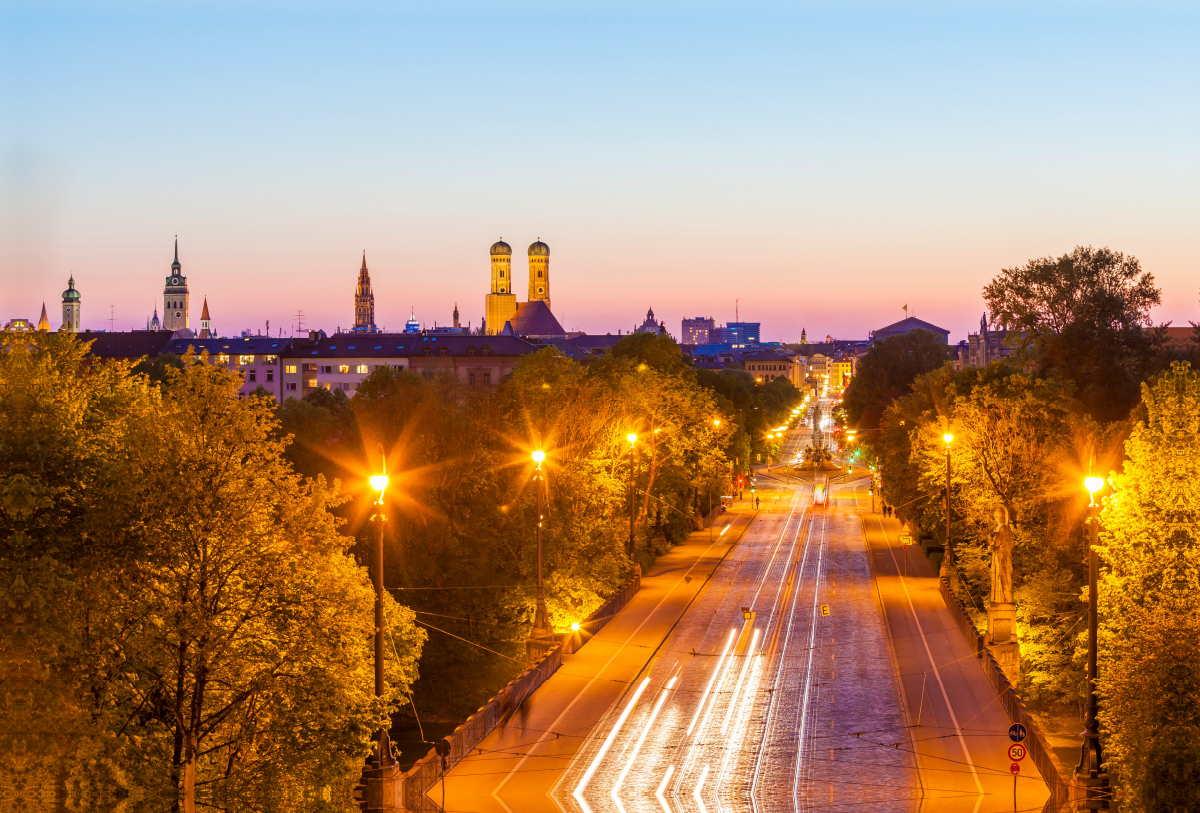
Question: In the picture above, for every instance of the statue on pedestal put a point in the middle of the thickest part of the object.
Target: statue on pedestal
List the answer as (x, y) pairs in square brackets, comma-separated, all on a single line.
[(1002, 610), (1001, 544)]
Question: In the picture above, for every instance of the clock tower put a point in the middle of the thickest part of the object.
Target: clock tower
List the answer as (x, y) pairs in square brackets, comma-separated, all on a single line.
[(175, 296)]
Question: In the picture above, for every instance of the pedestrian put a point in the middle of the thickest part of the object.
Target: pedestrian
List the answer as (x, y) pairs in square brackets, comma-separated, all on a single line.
[(755, 502)]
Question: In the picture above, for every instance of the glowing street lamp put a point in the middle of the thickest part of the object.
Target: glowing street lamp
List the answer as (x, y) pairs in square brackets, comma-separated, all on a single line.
[(947, 571), (632, 549), (384, 758), (1090, 776), (541, 622)]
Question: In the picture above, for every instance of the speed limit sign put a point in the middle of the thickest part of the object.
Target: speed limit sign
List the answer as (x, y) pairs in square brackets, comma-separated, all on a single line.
[(1016, 752)]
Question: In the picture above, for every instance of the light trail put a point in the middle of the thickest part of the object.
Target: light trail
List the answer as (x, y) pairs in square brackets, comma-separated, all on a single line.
[(775, 691), (696, 792), (717, 671), (662, 698), (812, 645), (663, 786), (608, 741), (735, 742), (737, 688)]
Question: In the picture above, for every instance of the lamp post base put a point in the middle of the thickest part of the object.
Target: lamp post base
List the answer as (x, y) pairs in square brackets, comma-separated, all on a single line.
[(538, 645), (381, 788), (949, 573)]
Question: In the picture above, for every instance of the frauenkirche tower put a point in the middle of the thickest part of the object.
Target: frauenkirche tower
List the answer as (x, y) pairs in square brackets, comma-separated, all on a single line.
[(501, 303)]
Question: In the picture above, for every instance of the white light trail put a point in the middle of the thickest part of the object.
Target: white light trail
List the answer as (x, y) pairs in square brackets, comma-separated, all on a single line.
[(717, 671), (663, 786), (608, 741), (737, 688), (662, 698), (812, 645), (734, 746), (696, 792)]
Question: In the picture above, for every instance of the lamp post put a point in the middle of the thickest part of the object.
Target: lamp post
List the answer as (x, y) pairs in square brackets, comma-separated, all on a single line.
[(541, 638), (1090, 776), (947, 571), (541, 623), (632, 438), (381, 776)]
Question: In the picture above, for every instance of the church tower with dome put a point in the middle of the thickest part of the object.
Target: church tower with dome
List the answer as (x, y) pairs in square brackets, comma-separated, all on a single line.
[(539, 272), (175, 297), (501, 303), (70, 305)]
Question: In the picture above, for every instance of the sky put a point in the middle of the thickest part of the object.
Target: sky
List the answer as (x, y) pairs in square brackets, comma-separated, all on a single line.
[(813, 166)]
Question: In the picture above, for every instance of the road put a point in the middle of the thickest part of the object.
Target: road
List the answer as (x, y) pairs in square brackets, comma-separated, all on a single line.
[(796, 669)]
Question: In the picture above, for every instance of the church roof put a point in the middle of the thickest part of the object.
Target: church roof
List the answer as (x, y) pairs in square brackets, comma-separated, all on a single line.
[(534, 319), (44, 322), (125, 345), (204, 313)]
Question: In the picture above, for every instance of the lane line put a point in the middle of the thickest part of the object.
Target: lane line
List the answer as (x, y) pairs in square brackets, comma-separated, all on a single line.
[(587, 777), (937, 673)]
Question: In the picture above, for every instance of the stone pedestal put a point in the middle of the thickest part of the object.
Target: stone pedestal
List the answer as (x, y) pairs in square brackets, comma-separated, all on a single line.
[(1001, 638), (384, 785)]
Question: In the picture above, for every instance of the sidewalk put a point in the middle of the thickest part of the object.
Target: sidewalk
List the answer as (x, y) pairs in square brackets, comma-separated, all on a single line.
[(514, 769), (960, 730)]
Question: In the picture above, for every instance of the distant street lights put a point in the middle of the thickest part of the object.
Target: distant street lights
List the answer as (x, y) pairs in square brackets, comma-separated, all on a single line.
[(1089, 774), (947, 571)]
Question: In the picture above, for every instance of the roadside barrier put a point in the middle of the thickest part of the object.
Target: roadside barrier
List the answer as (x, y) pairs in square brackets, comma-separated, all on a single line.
[(1057, 779), (428, 770)]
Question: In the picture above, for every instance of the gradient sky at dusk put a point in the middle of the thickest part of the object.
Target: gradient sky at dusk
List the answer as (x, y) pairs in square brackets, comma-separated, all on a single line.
[(823, 166)]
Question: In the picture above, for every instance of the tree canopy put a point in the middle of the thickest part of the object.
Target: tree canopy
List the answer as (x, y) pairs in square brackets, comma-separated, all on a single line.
[(887, 371), (1084, 317)]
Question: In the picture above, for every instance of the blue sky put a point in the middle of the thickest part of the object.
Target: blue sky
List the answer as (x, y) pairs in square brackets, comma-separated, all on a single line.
[(820, 165)]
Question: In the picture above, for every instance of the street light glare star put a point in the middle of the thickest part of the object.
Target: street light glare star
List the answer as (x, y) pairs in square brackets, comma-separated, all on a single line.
[(948, 437), (1093, 484), (538, 456), (631, 437), (379, 482)]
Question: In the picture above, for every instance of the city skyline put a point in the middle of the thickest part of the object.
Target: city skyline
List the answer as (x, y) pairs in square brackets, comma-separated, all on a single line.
[(674, 160)]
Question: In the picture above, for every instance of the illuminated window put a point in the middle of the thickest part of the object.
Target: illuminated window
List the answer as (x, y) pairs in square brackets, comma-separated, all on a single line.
[(291, 368), (244, 360), (223, 358), (328, 386), (270, 359), (362, 368), (343, 368), (311, 383)]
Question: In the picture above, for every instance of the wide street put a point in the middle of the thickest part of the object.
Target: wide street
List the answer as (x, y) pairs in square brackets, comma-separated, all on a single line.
[(755, 671)]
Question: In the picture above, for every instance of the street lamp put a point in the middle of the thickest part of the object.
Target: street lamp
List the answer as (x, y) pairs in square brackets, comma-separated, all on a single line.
[(632, 438), (947, 571), (1089, 774), (541, 623), (379, 483)]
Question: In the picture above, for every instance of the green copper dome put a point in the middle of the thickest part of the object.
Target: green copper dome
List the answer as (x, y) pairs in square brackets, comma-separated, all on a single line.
[(70, 295)]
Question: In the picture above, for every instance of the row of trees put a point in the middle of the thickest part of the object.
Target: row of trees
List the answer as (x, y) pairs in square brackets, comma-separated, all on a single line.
[(1026, 431), (460, 546), (182, 624)]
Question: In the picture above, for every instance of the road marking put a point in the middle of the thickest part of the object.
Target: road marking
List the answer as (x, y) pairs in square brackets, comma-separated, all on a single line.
[(696, 792), (937, 673), (704, 697), (812, 637), (663, 786)]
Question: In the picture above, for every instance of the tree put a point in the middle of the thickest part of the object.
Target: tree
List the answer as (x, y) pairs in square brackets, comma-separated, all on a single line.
[(1084, 317), (1149, 675), (185, 599), (887, 371)]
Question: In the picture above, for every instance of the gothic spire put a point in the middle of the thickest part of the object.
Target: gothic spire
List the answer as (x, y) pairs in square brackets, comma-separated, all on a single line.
[(175, 265)]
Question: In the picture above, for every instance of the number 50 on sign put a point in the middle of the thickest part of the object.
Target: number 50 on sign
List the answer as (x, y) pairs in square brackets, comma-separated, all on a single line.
[(1016, 752)]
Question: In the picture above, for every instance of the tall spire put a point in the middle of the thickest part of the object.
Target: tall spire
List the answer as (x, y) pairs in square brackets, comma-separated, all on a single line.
[(175, 266), (44, 322), (364, 265)]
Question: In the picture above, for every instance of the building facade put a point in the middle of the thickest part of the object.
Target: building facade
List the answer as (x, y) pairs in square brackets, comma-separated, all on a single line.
[(769, 365), (364, 302), (176, 315), (697, 330), (257, 359), (983, 347), (741, 334)]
